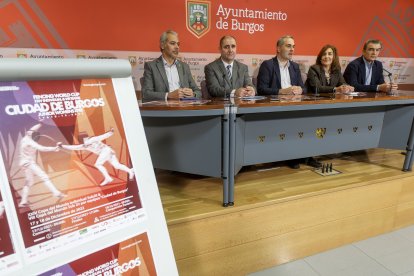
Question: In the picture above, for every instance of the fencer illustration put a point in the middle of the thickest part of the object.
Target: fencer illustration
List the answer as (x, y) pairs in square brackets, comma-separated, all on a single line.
[(27, 156), (105, 154)]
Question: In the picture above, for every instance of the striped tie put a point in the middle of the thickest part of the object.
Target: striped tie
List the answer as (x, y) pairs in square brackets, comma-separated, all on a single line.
[(229, 71)]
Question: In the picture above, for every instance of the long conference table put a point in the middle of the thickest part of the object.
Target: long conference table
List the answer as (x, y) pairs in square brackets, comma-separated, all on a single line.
[(218, 137)]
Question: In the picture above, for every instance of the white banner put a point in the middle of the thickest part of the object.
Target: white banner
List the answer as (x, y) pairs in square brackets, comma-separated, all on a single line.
[(402, 69)]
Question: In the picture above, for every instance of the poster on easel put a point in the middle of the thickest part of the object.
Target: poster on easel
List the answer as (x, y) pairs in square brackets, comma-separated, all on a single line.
[(67, 162), (75, 170)]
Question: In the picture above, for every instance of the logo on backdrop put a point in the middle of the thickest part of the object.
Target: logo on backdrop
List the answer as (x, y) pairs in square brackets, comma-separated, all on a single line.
[(198, 17), (21, 54), (132, 60)]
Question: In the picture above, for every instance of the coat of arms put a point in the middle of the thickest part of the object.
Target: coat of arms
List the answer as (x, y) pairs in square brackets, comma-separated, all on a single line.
[(198, 17)]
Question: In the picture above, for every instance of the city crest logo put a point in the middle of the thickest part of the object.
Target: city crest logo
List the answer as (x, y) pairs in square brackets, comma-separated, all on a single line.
[(132, 60), (198, 17), (21, 54)]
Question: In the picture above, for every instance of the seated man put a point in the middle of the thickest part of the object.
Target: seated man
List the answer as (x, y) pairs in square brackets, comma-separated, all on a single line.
[(366, 73), (166, 77), (280, 75), (226, 77)]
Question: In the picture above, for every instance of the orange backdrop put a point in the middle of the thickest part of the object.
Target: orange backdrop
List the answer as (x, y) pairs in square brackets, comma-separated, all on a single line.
[(136, 25)]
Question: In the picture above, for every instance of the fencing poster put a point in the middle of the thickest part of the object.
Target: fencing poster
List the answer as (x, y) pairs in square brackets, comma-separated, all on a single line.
[(67, 162)]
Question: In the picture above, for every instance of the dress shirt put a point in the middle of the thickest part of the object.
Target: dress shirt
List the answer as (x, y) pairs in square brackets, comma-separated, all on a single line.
[(231, 70), (368, 71), (172, 76), (284, 74)]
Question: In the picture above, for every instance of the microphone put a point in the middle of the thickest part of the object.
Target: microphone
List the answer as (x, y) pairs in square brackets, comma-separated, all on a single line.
[(317, 92), (389, 74)]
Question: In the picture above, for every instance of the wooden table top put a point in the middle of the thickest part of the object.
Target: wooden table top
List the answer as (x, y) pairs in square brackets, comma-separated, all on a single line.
[(201, 104), (277, 100)]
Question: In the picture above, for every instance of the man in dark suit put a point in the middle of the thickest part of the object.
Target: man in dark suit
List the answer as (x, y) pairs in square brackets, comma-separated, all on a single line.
[(280, 75), (166, 77), (366, 73), (226, 77)]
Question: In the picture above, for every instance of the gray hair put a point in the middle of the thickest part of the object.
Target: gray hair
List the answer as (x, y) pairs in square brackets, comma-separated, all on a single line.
[(373, 41), (281, 41), (163, 37)]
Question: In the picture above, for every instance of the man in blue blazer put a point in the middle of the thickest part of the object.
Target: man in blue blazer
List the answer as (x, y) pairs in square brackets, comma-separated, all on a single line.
[(166, 77), (226, 77), (280, 75), (366, 73)]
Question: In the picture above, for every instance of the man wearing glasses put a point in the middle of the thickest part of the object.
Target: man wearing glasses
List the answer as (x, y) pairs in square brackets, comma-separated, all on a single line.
[(366, 73)]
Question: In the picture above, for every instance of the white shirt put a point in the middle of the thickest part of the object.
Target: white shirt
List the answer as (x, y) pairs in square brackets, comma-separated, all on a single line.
[(284, 74), (172, 76), (368, 71)]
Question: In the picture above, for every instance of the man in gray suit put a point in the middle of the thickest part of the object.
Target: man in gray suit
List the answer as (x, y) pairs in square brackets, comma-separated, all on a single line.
[(167, 78), (226, 77)]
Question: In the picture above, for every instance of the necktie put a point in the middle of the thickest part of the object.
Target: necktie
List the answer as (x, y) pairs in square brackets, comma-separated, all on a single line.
[(229, 71)]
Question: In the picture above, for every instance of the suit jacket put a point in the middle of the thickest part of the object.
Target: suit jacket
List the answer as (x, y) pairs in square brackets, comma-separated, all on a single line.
[(268, 79), (155, 84), (217, 81), (317, 79), (355, 75)]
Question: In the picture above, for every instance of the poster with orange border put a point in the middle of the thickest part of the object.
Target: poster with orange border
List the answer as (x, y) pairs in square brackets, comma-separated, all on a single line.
[(130, 257), (67, 162)]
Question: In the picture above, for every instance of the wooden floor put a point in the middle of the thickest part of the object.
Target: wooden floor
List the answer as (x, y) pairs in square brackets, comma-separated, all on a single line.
[(274, 199), (187, 197)]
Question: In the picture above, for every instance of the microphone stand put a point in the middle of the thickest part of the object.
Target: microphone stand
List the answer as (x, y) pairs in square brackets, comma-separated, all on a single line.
[(316, 92), (389, 74)]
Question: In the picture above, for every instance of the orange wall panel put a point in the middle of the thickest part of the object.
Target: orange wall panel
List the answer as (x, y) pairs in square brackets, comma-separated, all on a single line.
[(132, 25)]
